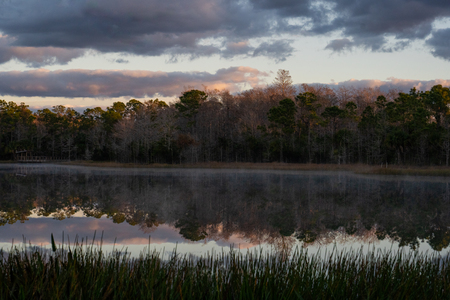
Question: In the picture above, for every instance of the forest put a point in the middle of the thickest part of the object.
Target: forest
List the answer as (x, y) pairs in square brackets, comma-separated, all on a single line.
[(281, 122)]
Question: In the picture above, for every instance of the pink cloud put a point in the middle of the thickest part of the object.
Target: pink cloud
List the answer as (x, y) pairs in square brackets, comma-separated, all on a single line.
[(36, 56), (106, 83), (403, 85)]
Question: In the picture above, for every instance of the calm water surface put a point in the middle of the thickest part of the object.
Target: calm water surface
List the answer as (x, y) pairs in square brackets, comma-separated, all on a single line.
[(198, 211)]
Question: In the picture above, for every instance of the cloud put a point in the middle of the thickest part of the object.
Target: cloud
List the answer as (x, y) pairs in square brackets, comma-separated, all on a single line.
[(233, 49), (285, 7), (382, 25), (152, 27), (377, 44), (103, 83), (142, 84), (403, 85), (277, 50), (340, 45), (36, 57), (199, 28), (121, 61), (440, 43), (403, 18)]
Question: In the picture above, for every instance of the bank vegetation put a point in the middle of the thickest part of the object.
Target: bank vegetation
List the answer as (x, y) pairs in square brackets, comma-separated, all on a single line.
[(88, 273)]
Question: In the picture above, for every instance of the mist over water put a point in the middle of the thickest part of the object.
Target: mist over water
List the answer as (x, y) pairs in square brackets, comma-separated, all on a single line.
[(197, 210)]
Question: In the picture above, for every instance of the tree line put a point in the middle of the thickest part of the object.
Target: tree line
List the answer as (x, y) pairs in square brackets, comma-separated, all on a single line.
[(282, 122)]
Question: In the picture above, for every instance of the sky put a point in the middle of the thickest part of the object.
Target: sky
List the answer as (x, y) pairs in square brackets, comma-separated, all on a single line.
[(87, 53)]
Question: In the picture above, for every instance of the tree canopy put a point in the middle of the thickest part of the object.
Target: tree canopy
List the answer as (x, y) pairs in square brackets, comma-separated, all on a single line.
[(309, 123)]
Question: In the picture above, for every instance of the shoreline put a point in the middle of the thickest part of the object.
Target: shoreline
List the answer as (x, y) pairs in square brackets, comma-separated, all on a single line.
[(405, 170), (355, 168)]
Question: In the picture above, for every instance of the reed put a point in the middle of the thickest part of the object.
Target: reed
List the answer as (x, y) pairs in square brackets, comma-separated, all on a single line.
[(86, 272)]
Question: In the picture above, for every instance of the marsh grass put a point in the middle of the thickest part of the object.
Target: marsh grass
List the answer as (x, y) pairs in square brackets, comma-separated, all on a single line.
[(86, 272)]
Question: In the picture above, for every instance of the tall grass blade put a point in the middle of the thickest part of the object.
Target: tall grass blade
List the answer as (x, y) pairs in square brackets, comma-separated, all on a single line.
[(53, 243)]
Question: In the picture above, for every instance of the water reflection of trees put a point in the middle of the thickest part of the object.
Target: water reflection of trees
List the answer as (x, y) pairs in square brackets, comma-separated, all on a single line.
[(259, 207)]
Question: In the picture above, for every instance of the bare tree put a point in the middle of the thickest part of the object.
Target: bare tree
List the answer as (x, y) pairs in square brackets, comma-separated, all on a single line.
[(283, 84)]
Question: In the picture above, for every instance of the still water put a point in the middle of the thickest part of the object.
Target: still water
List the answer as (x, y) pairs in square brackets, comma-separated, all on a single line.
[(198, 210)]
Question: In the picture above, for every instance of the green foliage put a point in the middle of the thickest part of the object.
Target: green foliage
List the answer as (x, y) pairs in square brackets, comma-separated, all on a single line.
[(412, 128), (16, 128), (283, 116), (133, 106), (189, 104), (113, 114), (368, 119), (333, 113), (437, 101), (282, 124), (307, 100), (350, 111)]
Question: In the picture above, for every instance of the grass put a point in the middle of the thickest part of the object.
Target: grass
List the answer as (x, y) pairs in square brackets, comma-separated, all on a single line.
[(355, 168), (85, 272)]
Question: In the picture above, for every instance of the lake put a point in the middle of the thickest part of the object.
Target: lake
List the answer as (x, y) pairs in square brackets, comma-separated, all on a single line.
[(197, 211)]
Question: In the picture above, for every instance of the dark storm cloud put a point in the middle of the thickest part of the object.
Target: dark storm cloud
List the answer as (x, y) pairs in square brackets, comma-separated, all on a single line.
[(340, 45), (440, 43), (292, 8), (179, 27), (402, 18), (37, 57), (102, 83), (369, 23), (233, 49), (154, 27), (376, 44), (277, 50)]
